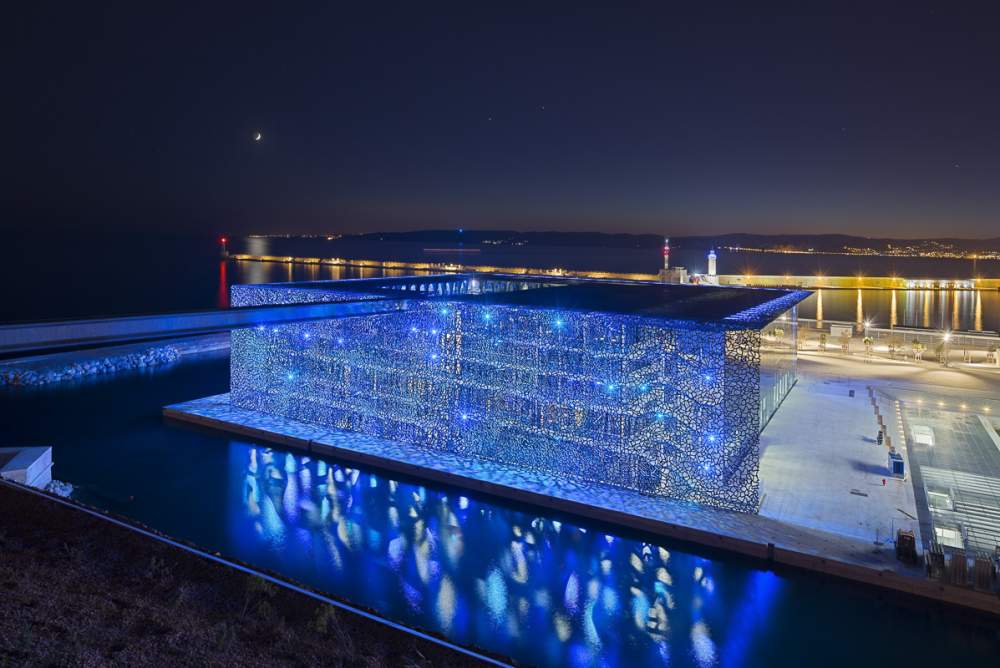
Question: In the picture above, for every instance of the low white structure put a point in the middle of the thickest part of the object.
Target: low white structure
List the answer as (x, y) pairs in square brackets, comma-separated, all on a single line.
[(30, 466)]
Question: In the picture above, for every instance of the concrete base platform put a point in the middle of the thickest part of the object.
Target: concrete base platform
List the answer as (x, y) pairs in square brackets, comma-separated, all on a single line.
[(757, 536), (27, 466)]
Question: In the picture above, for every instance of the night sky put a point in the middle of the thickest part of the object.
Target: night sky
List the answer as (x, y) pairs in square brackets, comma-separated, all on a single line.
[(679, 119)]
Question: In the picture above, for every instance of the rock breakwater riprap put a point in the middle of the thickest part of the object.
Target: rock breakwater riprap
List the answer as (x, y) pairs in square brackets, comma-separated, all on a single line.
[(33, 375)]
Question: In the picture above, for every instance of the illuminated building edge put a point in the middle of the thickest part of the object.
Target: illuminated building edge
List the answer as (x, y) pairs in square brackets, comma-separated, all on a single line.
[(664, 407)]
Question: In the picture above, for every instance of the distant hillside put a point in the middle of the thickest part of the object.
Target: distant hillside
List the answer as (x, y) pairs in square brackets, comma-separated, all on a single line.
[(477, 237), (814, 242), (833, 242)]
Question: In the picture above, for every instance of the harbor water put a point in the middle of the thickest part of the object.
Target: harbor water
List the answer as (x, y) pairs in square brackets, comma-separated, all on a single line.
[(543, 588)]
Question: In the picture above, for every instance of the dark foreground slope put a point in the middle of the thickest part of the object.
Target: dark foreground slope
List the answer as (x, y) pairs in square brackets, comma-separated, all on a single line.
[(76, 590)]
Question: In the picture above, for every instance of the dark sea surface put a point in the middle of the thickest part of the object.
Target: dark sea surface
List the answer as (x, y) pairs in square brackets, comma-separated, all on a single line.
[(70, 277), (544, 588)]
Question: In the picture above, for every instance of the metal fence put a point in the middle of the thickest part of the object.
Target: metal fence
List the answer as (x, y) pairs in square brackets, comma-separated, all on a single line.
[(902, 342)]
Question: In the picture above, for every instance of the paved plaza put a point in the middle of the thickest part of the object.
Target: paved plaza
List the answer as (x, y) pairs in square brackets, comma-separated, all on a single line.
[(820, 466)]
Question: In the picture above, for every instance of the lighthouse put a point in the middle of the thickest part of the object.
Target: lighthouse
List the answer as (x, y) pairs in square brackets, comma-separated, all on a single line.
[(668, 274), (711, 262)]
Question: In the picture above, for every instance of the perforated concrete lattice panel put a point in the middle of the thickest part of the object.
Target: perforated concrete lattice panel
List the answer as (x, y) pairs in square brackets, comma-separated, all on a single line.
[(566, 379)]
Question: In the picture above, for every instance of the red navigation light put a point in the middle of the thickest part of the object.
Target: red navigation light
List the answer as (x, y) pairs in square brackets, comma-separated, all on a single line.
[(222, 240)]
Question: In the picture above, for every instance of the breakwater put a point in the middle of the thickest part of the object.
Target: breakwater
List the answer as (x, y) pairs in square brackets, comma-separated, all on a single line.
[(813, 282), (73, 370)]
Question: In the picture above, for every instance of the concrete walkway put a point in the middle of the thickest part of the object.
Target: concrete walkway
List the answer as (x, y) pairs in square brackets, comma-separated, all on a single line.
[(821, 467), (925, 375)]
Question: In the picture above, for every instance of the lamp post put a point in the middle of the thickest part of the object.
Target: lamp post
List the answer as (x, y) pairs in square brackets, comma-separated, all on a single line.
[(945, 340), (868, 341)]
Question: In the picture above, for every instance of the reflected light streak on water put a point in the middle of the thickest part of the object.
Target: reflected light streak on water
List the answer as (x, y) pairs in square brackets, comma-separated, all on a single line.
[(757, 600), (540, 590), (977, 310), (413, 541), (978, 326)]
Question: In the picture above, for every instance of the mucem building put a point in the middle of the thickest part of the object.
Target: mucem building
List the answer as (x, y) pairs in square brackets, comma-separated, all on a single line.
[(660, 389)]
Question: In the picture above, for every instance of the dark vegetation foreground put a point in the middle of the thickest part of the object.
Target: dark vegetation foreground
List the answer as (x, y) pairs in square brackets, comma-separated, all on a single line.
[(78, 591)]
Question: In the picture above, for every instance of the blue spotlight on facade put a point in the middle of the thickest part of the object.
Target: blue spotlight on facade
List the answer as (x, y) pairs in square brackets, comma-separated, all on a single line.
[(576, 405)]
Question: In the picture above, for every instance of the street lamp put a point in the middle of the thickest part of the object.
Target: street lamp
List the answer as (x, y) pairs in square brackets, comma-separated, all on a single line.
[(945, 339), (868, 341)]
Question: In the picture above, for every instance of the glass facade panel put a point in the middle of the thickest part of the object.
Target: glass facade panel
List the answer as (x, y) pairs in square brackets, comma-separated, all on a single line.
[(778, 353)]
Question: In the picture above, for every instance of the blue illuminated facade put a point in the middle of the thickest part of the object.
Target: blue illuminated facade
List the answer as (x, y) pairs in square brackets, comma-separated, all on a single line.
[(658, 389)]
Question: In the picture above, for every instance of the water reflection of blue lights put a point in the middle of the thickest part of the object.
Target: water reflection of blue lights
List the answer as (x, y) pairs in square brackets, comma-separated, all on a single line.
[(534, 588)]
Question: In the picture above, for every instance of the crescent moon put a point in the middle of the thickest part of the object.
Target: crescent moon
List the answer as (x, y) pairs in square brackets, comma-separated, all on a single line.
[(256, 137)]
